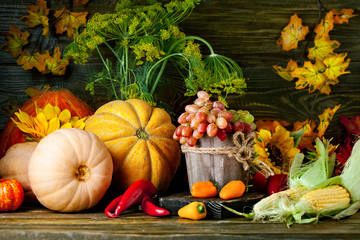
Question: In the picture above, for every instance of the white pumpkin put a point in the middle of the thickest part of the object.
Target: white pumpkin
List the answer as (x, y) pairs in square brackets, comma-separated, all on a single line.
[(70, 170), (14, 165)]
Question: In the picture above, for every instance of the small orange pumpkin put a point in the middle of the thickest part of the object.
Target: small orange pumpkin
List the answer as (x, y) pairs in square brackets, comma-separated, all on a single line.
[(61, 97), (139, 139), (11, 195)]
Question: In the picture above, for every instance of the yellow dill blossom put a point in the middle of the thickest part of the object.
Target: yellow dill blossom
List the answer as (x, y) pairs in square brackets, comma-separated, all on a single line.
[(46, 121), (164, 34), (147, 51), (275, 149)]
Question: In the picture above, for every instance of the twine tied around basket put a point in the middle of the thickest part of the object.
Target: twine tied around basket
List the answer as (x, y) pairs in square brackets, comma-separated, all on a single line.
[(242, 151)]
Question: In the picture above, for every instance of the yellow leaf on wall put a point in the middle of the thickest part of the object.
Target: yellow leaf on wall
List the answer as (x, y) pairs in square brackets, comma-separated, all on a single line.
[(322, 49)]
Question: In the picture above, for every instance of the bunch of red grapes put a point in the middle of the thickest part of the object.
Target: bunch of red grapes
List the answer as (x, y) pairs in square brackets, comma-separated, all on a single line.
[(211, 118)]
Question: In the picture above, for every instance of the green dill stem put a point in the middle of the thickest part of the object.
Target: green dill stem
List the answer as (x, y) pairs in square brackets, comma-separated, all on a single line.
[(109, 74), (212, 53)]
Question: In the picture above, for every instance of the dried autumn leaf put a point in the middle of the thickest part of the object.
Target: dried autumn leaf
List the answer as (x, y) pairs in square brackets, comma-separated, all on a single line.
[(336, 65), (285, 73), (322, 49), (309, 136), (292, 34), (83, 2), (38, 16), (343, 16), (55, 64), (325, 26), (310, 75), (29, 61), (69, 21), (15, 41), (325, 119)]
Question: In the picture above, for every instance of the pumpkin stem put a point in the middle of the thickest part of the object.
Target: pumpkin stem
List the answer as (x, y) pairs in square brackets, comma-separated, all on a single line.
[(141, 133), (82, 173)]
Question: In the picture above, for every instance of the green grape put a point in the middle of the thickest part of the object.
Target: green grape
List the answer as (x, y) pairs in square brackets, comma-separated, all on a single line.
[(236, 118), (253, 125), (248, 118)]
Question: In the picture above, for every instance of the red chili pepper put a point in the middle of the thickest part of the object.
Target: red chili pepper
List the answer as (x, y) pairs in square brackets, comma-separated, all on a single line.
[(148, 206), (134, 194), (110, 209)]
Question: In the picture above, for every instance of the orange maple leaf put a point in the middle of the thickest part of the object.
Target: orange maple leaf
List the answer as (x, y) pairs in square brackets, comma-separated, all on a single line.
[(343, 16), (325, 119), (69, 21), (292, 34), (29, 61), (15, 41), (55, 64), (322, 49), (325, 26), (38, 16), (285, 73)]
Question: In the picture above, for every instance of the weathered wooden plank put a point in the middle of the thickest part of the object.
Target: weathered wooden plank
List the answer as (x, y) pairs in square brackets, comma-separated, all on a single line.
[(42, 223), (243, 30)]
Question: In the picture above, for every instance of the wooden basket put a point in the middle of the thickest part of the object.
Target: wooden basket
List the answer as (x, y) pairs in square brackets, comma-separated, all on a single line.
[(219, 161)]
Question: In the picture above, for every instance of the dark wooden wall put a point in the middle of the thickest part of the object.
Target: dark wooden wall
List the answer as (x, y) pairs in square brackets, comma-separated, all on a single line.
[(244, 30)]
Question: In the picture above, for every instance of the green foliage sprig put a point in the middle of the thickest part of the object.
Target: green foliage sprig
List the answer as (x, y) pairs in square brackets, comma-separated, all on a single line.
[(144, 38)]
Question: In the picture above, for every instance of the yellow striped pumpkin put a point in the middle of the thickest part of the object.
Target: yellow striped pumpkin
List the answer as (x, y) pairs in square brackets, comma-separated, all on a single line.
[(139, 139)]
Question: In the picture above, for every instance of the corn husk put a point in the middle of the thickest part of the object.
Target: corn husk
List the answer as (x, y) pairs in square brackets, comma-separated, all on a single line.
[(313, 175)]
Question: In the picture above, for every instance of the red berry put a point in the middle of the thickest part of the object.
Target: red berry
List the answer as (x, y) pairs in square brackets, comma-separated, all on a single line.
[(221, 122), (211, 130), (182, 118), (210, 118), (203, 95), (229, 127), (226, 114), (200, 116), (186, 131), (218, 104), (178, 131), (238, 126), (192, 108), (191, 141), (202, 127), (221, 134), (247, 127)]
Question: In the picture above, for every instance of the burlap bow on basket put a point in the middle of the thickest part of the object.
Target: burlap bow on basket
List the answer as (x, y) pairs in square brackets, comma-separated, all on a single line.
[(242, 151)]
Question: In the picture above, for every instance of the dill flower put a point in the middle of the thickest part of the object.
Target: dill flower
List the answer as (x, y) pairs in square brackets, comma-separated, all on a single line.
[(46, 121)]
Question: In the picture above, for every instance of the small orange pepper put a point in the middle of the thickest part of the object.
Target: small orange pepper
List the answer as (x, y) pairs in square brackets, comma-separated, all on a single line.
[(233, 189), (194, 211), (204, 189)]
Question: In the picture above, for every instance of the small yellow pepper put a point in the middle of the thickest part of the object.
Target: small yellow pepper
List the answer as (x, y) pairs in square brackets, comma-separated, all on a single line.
[(194, 211), (204, 189)]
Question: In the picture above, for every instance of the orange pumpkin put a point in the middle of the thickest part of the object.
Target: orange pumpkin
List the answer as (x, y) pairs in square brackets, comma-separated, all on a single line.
[(11, 195), (139, 139), (63, 98)]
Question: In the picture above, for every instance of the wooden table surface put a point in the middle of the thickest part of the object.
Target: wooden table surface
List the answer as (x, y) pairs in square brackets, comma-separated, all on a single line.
[(40, 223)]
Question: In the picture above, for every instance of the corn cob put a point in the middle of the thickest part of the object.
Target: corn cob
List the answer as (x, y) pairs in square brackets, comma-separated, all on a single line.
[(269, 202), (332, 198)]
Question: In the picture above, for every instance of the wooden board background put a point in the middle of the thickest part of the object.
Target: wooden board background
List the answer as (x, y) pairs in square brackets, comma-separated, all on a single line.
[(244, 30)]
